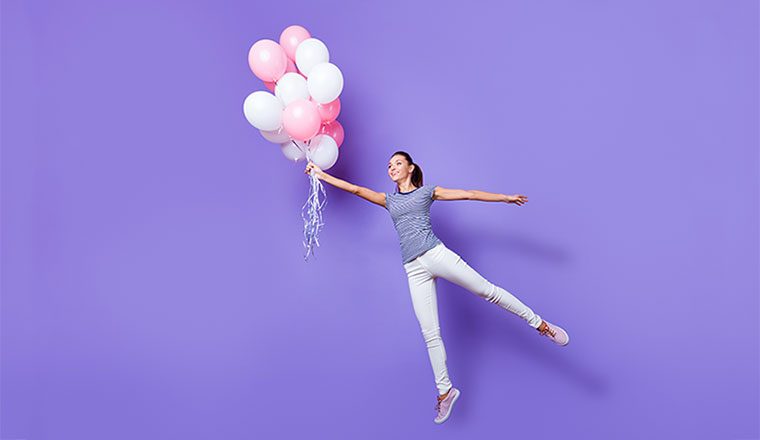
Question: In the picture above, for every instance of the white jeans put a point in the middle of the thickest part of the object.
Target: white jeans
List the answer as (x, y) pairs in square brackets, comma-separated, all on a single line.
[(423, 273)]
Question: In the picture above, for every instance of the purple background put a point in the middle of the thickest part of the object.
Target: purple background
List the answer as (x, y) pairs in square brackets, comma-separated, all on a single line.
[(153, 281)]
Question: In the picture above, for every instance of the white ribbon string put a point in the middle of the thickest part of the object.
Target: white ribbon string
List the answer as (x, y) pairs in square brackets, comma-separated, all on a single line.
[(311, 211)]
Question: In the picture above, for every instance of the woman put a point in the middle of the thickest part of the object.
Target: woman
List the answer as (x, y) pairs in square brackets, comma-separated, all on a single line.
[(426, 258)]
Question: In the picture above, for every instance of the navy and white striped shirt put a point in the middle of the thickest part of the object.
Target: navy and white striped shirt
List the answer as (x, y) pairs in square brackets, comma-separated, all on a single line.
[(411, 217)]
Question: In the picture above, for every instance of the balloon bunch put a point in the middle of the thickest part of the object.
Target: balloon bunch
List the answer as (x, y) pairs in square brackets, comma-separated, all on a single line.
[(302, 114)]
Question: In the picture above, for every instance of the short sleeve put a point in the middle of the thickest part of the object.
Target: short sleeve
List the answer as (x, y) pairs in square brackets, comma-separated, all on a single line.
[(387, 198), (432, 191)]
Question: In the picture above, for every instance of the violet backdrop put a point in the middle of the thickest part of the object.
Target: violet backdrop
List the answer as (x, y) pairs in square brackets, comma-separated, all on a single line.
[(153, 281)]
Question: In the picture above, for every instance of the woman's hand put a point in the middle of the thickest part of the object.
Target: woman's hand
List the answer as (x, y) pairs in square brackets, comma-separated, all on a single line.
[(517, 199), (317, 170)]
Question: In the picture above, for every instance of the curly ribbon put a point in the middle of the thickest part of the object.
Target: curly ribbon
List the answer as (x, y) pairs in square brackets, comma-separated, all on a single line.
[(311, 211)]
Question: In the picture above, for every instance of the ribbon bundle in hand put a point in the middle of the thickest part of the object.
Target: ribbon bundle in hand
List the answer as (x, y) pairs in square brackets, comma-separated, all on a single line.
[(312, 220)]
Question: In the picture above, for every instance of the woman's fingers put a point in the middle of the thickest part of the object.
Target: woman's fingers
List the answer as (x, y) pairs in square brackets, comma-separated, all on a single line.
[(519, 199)]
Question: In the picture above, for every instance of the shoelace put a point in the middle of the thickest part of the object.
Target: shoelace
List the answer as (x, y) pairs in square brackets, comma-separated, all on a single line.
[(438, 405), (548, 330)]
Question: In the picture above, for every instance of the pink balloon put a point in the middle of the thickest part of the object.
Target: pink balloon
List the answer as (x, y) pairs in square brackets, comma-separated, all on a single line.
[(328, 111), (291, 37), (267, 60), (334, 130), (301, 119), (291, 68)]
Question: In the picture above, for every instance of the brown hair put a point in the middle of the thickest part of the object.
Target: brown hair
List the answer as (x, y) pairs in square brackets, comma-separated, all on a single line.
[(416, 172)]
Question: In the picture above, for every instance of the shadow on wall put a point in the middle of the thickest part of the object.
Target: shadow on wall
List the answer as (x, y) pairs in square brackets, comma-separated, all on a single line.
[(469, 242), (479, 331)]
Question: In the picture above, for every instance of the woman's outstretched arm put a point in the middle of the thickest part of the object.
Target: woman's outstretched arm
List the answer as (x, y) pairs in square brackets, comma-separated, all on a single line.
[(461, 194), (365, 193)]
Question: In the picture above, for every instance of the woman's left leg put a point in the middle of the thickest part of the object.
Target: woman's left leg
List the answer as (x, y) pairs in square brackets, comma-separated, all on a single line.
[(422, 287), (447, 264)]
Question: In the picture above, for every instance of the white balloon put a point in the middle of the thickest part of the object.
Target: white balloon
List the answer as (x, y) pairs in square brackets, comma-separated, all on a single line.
[(292, 152), (276, 136), (263, 110), (290, 87), (323, 150), (310, 53), (325, 82)]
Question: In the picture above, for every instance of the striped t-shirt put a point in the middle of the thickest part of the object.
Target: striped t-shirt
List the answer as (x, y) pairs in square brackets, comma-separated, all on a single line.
[(411, 217)]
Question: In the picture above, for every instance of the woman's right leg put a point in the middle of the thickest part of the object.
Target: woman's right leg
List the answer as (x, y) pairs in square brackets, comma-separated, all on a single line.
[(443, 262), (422, 287)]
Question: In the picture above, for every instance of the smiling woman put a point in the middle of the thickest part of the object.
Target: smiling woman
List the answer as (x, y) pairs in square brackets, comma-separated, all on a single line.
[(426, 258)]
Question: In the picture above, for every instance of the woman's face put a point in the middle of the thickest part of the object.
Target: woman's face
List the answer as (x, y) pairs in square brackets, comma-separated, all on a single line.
[(399, 169)]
